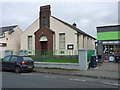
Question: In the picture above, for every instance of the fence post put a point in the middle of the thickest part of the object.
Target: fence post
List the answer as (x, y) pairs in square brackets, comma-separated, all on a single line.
[(82, 57)]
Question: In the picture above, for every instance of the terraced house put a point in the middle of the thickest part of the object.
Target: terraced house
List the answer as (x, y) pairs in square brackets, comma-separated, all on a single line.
[(49, 33), (9, 38)]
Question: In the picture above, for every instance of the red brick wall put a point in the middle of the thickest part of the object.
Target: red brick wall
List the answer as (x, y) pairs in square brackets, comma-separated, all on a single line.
[(45, 12), (43, 32)]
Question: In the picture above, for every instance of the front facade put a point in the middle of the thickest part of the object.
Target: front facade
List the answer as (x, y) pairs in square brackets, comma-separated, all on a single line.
[(49, 33), (108, 40)]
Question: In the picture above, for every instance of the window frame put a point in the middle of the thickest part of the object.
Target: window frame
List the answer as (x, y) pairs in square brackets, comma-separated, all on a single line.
[(13, 60), (5, 58), (62, 41), (30, 42)]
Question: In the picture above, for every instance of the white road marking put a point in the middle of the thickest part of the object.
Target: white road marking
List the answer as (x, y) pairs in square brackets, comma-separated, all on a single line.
[(115, 84), (78, 80), (50, 77), (26, 74)]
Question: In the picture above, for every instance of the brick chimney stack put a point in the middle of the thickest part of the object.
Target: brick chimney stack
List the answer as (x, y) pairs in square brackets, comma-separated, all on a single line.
[(45, 13)]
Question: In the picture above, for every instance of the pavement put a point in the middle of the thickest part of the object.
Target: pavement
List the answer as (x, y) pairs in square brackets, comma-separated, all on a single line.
[(107, 70)]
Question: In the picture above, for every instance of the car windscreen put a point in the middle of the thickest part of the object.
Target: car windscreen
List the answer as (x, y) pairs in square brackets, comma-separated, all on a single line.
[(27, 59)]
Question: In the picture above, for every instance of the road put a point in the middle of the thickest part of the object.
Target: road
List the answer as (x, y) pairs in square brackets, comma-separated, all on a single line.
[(45, 80)]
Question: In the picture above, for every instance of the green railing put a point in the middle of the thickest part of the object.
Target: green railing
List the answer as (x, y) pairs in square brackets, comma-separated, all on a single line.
[(56, 58), (59, 56)]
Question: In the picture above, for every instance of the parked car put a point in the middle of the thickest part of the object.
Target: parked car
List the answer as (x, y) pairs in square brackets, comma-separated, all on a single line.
[(17, 63)]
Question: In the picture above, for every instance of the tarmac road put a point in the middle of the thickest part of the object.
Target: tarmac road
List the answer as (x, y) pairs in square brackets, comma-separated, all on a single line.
[(44, 80)]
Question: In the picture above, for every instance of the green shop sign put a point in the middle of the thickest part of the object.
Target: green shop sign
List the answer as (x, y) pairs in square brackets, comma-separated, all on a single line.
[(108, 35)]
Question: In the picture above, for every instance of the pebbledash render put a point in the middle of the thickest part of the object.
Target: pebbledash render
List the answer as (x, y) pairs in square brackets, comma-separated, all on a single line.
[(51, 33)]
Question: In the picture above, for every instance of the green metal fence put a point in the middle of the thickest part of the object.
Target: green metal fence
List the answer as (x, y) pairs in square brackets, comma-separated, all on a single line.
[(59, 56), (56, 58)]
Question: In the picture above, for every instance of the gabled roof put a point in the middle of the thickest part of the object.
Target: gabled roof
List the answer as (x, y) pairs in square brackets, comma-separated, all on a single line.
[(7, 28), (74, 28)]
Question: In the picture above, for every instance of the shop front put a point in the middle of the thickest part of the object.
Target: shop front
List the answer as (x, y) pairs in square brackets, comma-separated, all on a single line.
[(111, 50), (108, 43)]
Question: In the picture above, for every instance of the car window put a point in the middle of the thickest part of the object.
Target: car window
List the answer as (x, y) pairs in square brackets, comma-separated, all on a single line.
[(19, 58), (27, 58), (6, 58), (13, 58)]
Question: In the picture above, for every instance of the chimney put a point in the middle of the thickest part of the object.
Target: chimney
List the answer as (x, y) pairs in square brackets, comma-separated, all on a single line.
[(45, 13), (74, 24)]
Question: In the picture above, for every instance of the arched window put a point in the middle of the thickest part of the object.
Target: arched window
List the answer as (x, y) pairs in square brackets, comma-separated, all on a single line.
[(43, 38)]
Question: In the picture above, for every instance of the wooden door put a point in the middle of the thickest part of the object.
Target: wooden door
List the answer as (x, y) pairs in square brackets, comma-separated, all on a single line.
[(44, 47)]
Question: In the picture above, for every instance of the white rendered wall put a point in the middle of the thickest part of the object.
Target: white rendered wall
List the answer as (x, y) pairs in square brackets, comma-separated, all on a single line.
[(70, 34), (29, 32), (13, 39)]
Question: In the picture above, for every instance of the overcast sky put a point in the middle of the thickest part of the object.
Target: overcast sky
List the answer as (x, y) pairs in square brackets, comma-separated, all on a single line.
[(87, 15)]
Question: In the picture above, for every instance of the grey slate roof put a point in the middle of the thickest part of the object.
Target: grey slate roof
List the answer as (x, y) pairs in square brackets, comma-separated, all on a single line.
[(7, 28), (74, 28)]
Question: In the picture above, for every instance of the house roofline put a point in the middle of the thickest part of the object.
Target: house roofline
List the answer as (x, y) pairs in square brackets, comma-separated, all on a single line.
[(74, 28)]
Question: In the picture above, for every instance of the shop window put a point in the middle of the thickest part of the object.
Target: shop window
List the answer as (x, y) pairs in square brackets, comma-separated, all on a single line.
[(111, 51), (105, 49), (116, 49)]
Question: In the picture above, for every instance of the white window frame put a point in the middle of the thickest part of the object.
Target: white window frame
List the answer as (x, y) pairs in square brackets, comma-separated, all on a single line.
[(30, 43), (61, 40)]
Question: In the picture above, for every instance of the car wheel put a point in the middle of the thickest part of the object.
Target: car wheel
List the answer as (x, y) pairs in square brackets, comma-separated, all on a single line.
[(17, 69)]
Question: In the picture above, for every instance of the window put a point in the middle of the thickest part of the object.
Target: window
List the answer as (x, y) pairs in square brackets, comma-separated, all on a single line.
[(62, 41), (117, 48), (27, 59), (44, 21), (20, 59), (83, 41), (111, 49), (30, 42), (105, 49), (6, 59), (77, 41), (14, 58)]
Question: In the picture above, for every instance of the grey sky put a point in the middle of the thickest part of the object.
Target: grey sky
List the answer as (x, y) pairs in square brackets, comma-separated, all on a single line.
[(87, 15)]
